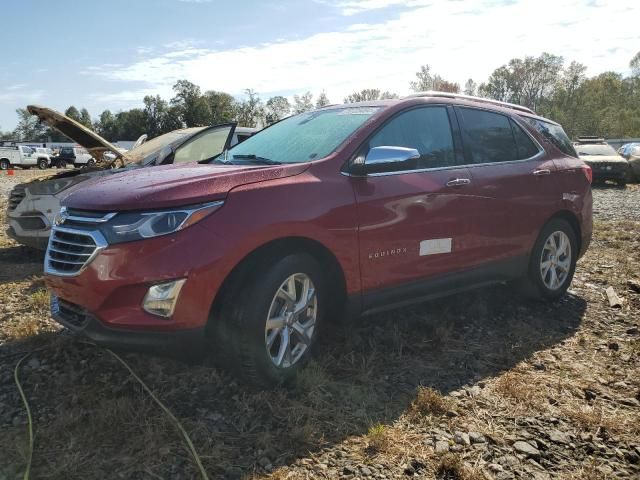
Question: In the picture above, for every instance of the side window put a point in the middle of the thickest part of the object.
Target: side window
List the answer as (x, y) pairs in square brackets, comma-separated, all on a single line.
[(487, 136), (554, 133), (203, 147), (526, 147), (425, 129)]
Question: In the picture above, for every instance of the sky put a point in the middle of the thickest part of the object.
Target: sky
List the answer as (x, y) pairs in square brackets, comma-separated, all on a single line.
[(109, 54)]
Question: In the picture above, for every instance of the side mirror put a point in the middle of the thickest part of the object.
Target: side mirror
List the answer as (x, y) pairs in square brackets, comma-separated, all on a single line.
[(389, 159)]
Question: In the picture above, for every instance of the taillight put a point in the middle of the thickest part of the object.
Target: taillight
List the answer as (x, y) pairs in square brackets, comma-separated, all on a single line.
[(586, 169)]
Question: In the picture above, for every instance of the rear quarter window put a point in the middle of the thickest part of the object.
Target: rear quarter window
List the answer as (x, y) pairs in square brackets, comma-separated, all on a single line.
[(554, 133)]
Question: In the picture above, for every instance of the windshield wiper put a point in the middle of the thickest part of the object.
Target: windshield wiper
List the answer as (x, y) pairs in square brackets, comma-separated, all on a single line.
[(256, 159)]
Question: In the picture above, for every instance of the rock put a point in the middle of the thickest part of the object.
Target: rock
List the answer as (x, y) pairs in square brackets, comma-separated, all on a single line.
[(461, 438), (33, 363), (633, 331), (634, 285), (349, 470), (613, 346), (477, 437), (442, 447), (526, 448), (365, 471), (495, 467), (556, 436), (630, 402), (589, 394), (614, 300), (508, 460), (539, 366), (264, 462)]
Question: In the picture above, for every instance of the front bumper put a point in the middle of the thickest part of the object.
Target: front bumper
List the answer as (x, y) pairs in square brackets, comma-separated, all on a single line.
[(30, 218), (603, 172), (81, 322), (38, 242)]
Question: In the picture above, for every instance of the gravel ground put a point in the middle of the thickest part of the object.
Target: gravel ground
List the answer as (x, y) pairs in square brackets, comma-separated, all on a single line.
[(481, 385)]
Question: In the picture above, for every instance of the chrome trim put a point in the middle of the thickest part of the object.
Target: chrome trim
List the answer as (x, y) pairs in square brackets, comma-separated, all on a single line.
[(436, 169), (98, 240), (105, 218), (387, 154)]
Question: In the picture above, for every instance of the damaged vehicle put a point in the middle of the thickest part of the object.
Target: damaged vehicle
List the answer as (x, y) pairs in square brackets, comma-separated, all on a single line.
[(631, 152), (348, 208), (33, 206), (605, 162)]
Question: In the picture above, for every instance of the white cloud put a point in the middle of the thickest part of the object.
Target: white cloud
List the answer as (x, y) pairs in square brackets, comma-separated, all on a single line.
[(353, 7), (458, 39), (20, 97)]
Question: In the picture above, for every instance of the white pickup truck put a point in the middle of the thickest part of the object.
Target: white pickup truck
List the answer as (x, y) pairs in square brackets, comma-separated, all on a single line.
[(22, 156)]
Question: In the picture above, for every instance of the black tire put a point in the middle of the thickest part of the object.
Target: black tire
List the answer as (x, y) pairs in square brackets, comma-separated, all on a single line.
[(239, 334), (4, 164), (534, 285), (61, 164), (42, 164), (91, 163)]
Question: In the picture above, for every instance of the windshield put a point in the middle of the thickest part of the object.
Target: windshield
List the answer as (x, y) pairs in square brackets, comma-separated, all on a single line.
[(302, 138), (596, 150), (147, 152)]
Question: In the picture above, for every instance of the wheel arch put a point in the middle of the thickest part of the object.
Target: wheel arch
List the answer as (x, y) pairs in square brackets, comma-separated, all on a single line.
[(572, 219), (269, 252)]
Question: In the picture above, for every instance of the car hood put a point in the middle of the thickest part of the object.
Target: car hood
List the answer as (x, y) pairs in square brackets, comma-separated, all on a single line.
[(94, 143), (170, 185), (603, 159)]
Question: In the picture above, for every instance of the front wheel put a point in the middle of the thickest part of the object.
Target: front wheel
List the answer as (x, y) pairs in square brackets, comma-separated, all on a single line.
[(270, 324), (4, 164), (42, 164), (553, 261)]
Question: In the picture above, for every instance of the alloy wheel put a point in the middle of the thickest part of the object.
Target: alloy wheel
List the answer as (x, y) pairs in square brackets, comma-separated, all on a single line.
[(291, 320), (555, 260)]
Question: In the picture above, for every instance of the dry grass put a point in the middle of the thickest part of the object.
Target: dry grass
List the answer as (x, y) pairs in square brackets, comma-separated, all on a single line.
[(452, 467), (429, 401), (377, 438)]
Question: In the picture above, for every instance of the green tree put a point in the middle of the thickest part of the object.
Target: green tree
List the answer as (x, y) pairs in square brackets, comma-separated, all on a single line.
[(369, 94), (634, 64), (73, 113), (250, 112), (302, 103), (155, 109), (29, 128), (220, 106), (322, 100), (426, 80), (85, 118), (471, 87), (277, 108), (195, 111)]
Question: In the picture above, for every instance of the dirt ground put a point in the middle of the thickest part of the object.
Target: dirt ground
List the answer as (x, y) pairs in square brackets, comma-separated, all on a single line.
[(480, 385)]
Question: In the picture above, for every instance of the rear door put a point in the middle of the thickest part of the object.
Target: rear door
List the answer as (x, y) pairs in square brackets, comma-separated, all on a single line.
[(415, 223), (514, 182)]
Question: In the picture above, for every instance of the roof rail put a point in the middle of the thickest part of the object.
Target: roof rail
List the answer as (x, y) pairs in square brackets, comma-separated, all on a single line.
[(432, 93)]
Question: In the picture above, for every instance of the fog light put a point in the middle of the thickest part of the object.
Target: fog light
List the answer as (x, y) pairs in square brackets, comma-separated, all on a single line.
[(161, 299)]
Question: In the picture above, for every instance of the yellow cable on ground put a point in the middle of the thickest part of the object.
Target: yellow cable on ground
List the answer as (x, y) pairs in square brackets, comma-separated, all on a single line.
[(176, 422), (16, 377)]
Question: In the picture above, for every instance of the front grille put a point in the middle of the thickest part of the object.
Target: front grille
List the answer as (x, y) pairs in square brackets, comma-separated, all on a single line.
[(16, 196), (75, 243)]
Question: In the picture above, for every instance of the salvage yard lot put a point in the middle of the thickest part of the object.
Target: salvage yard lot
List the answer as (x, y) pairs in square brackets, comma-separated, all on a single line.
[(481, 385)]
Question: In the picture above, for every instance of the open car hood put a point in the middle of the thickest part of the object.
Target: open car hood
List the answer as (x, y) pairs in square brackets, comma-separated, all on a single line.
[(94, 143)]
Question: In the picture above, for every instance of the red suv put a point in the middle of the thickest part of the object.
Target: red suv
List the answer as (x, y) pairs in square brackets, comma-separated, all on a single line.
[(369, 205)]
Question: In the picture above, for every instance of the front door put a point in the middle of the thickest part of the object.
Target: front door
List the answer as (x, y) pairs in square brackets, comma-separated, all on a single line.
[(416, 223)]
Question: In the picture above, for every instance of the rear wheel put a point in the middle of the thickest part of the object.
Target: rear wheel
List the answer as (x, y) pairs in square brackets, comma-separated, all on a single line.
[(269, 325), (4, 164), (42, 163), (553, 261)]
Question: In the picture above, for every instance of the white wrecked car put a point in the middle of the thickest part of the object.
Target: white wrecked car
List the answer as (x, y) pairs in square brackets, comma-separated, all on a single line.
[(33, 206)]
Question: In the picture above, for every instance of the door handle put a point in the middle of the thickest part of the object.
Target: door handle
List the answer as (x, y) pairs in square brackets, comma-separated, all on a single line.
[(542, 171), (456, 182)]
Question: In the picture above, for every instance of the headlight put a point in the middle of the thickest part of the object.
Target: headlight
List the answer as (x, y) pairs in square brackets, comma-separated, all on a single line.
[(127, 227), (51, 187)]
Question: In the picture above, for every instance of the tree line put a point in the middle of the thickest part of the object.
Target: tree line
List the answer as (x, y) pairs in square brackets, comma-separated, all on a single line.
[(606, 105)]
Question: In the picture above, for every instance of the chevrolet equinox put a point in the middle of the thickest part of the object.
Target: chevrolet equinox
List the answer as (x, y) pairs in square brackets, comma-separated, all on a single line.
[(349, 208)]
